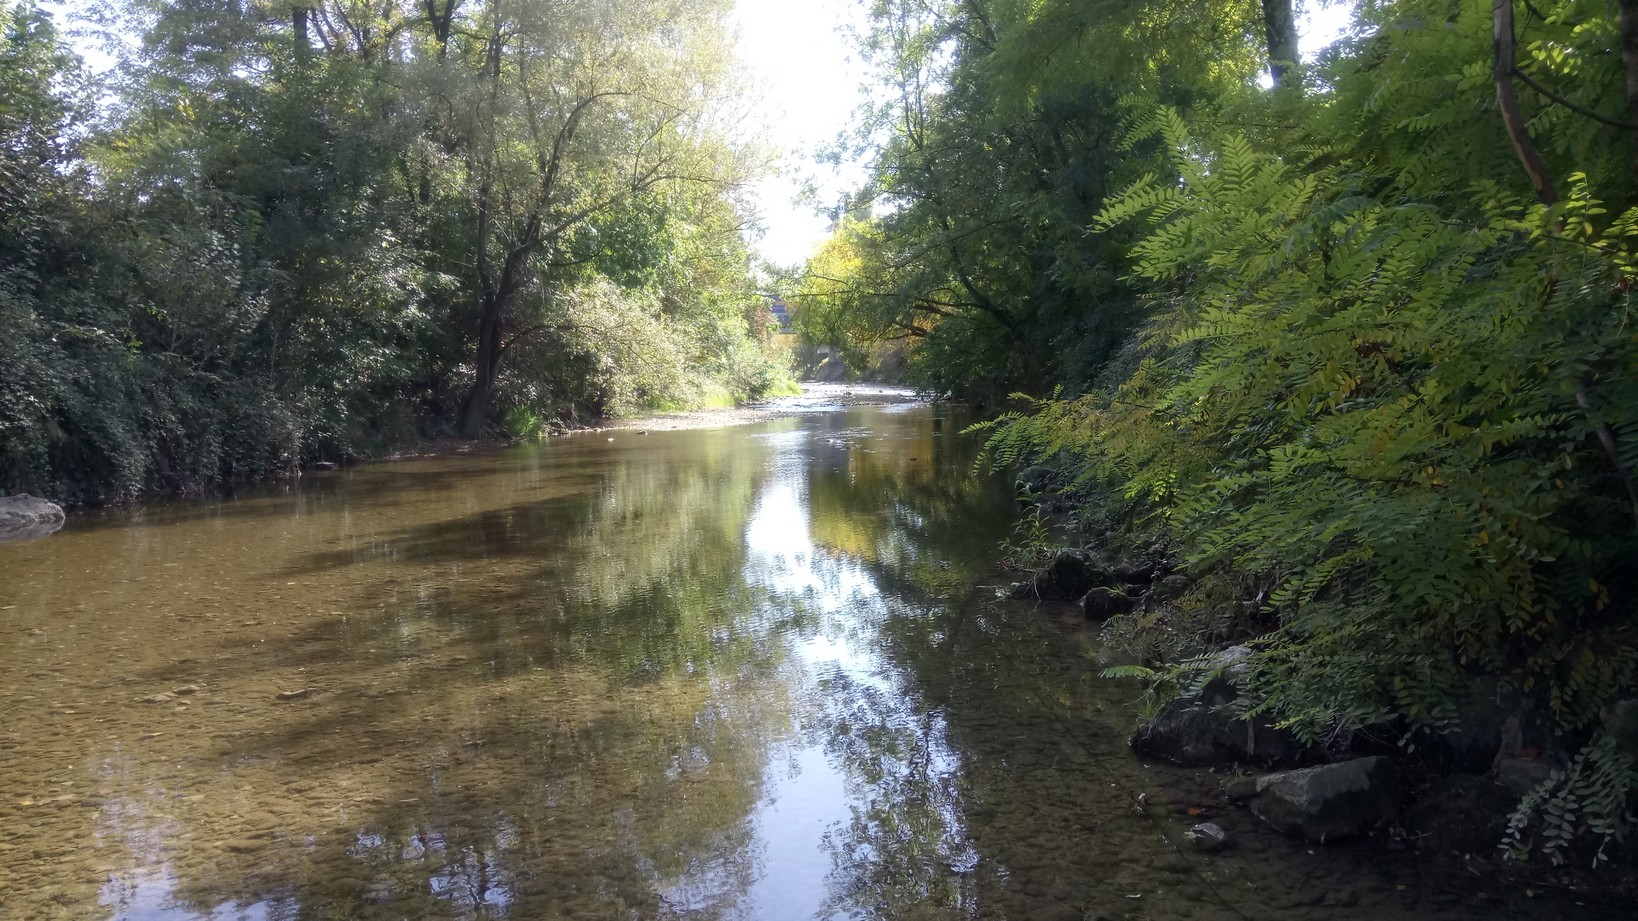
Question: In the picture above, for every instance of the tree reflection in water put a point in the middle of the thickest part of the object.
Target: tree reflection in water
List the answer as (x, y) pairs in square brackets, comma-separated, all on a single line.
[(734, 674)]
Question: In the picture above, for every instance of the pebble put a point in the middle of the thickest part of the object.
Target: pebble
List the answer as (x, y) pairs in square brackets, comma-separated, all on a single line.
[(1208, 837)]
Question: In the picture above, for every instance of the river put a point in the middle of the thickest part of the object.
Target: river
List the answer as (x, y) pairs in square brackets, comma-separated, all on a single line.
[(756, 672)]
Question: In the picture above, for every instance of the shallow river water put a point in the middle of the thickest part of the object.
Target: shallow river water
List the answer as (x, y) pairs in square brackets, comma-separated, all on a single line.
[(755, 672)]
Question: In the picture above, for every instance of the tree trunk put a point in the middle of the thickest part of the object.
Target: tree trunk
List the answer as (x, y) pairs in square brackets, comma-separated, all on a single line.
[(1629, 58), (299, 17), (1280, 27), (1507, 99), (475, 409)]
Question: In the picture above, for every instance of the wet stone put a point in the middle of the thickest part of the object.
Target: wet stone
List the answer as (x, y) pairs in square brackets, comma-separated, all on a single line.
[(1208, 837)]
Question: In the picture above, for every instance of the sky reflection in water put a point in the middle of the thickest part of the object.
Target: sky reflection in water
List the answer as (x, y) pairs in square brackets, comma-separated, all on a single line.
[(753, 673)]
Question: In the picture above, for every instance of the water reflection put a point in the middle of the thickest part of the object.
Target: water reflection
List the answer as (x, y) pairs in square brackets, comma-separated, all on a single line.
[(746, 673)]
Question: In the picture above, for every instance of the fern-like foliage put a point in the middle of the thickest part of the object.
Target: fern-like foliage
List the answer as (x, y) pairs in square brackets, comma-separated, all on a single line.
[(1393, 410)]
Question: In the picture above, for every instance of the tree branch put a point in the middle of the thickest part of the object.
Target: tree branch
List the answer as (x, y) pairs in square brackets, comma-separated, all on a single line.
[(1507, 99)]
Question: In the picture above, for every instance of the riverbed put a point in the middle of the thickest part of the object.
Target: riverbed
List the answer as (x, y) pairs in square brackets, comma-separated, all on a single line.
[(746, 672)]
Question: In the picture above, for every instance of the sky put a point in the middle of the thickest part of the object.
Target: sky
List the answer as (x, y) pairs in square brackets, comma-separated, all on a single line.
[(810, 78)]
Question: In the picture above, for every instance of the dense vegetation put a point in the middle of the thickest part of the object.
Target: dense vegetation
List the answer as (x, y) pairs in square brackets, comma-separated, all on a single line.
[(277, 233), (1352, 337)]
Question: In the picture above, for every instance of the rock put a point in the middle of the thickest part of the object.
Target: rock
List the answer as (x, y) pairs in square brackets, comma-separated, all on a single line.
[(1103, 603), (1522, 774), (1205, 729), (1130, 572), (1240, 789), (1208, 837), (1036, 479), (297, 694), (1066, 578), (185, 690), (1329, 802), (1621, 721), (1493, 722), (24, 516)]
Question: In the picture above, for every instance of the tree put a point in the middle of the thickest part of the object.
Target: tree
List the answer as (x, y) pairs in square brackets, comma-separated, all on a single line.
[(572, 111)]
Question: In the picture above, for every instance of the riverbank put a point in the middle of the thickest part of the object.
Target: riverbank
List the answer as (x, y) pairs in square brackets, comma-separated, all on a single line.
[(1466, 795), (816, 397)]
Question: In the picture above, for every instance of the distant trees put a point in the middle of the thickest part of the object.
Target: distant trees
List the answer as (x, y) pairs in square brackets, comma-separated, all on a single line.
[(295, 231)]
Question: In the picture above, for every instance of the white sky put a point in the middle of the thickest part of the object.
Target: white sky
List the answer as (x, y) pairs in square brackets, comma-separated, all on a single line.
[(810, 81)]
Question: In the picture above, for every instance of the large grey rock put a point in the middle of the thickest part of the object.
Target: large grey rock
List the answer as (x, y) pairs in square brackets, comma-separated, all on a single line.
[(24, 516), (1068, 577), (1206, 729), (1329, 802)]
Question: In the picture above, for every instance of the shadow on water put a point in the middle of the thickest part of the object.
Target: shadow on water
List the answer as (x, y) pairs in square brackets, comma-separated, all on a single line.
[(754, 673)]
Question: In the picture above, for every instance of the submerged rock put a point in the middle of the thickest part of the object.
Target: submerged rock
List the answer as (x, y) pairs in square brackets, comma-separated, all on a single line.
[(1206, 729), (24, 516), (1329, 802), (1066, 578)]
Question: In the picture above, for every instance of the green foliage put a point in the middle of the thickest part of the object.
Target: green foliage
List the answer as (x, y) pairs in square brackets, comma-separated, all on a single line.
[(1390, 391), (273, 236), (1597, 795), (1033, 542)]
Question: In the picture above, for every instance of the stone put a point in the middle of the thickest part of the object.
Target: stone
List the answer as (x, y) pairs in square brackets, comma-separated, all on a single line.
[(1493, 722), (1133, 572), (1621, 722), (1066, 578), (23, 516), (1330, 802), (1036, 479), (1102, 603), (1208, 837), (1521, 774), (1205, 729)]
